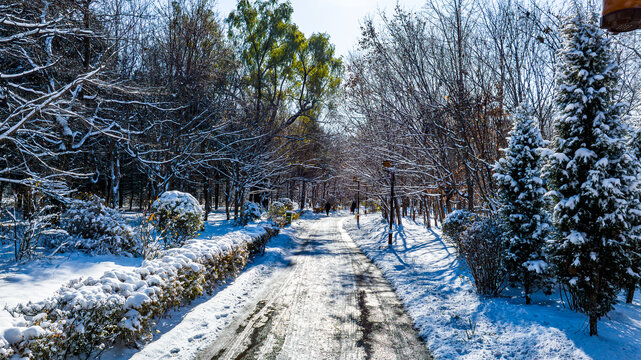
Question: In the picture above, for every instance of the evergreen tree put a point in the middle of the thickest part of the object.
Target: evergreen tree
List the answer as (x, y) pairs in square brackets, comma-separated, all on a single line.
[(631, 276), (591, 175), (521, 194)]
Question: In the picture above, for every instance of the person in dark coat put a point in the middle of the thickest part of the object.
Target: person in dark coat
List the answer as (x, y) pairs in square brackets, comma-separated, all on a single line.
[(353, 207), (328, 207)]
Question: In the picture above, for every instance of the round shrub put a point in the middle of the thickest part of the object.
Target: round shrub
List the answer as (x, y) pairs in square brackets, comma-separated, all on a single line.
[(288, 203), (456, 223), (249, 212), (277, 210), (482, 247), (178, 216)]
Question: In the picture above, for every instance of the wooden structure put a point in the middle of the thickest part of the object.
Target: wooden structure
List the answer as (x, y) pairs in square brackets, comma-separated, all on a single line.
[(621, 15)]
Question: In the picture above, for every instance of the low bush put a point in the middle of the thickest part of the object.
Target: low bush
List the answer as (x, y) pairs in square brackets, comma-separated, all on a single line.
[(96, 227), (178, 216), (88, 316), (288, 203), (456, 223), (482, 248), (249, 212)]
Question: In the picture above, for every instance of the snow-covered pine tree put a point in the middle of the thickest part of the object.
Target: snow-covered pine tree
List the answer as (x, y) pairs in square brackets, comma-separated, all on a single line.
[(590, 173), (521, 192), (632, 275)]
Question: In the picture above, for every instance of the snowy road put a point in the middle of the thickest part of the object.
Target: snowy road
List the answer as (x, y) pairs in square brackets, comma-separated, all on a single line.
[(331, 302)]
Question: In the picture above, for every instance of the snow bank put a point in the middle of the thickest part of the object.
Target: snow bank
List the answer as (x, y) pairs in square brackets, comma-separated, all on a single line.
[(87, 316), (456, 323)]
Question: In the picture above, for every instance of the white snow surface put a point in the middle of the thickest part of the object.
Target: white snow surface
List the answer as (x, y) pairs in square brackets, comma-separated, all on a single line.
[(437, 291), (40, 279)]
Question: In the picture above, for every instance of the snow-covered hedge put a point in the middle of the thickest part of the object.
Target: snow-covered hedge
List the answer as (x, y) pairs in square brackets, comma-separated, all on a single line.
[(178, 215), (249, 212), (97, 227), (120, 307)]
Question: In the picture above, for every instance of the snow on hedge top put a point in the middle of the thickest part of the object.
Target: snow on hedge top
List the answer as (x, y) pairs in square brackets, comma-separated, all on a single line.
[(177, 202)]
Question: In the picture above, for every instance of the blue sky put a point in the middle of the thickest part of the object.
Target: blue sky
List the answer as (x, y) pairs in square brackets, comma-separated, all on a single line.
[(340, 19)]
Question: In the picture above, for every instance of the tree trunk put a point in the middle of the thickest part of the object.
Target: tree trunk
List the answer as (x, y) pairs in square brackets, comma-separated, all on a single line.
[(593, 325), (216, 193), (302, 195), (207, 198), (630, 293), (114, 189), (227, 198), (2, 185), (470, 193), (131, 198), (398, 211)]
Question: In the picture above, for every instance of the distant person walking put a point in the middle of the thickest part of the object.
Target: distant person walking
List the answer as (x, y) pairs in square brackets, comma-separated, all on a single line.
[(328, 207)]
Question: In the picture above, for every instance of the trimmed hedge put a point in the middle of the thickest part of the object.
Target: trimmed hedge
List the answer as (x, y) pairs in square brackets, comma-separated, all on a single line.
[(86, 317)]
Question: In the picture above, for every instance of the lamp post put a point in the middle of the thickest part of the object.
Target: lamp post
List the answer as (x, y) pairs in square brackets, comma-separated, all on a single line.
[(358, 202), (388, 165)]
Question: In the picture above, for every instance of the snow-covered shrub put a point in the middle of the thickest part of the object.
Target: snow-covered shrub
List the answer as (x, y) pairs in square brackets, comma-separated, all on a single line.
[(178, 215), (482, 248), (97, 227), (277, 210), (288, 203), (249, 212), (90, 315), (456, 223)]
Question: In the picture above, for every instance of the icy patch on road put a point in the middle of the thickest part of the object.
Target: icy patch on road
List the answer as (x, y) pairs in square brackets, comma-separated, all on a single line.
[(457, 324)]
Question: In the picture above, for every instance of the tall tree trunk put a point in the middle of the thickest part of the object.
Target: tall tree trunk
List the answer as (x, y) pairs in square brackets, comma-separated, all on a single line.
[(630, 292), (114, 188), (216, 194), (2, 185), (398, 211), (131, 198), (302, 195), (207, 197), (227, 198), (470, 193), (593, 325)]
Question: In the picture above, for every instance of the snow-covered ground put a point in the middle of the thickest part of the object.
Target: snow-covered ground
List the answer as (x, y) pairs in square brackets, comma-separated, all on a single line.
[(39, 279), (457, 324)]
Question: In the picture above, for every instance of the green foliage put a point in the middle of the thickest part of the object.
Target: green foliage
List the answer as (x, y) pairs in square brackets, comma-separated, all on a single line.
[(283, 67)]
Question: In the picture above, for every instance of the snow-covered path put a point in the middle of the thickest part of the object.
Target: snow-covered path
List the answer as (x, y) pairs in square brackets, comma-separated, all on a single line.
[(331, 302)]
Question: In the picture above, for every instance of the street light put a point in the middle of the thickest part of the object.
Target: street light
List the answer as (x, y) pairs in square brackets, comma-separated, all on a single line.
[(388, 165), (358, 203)]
